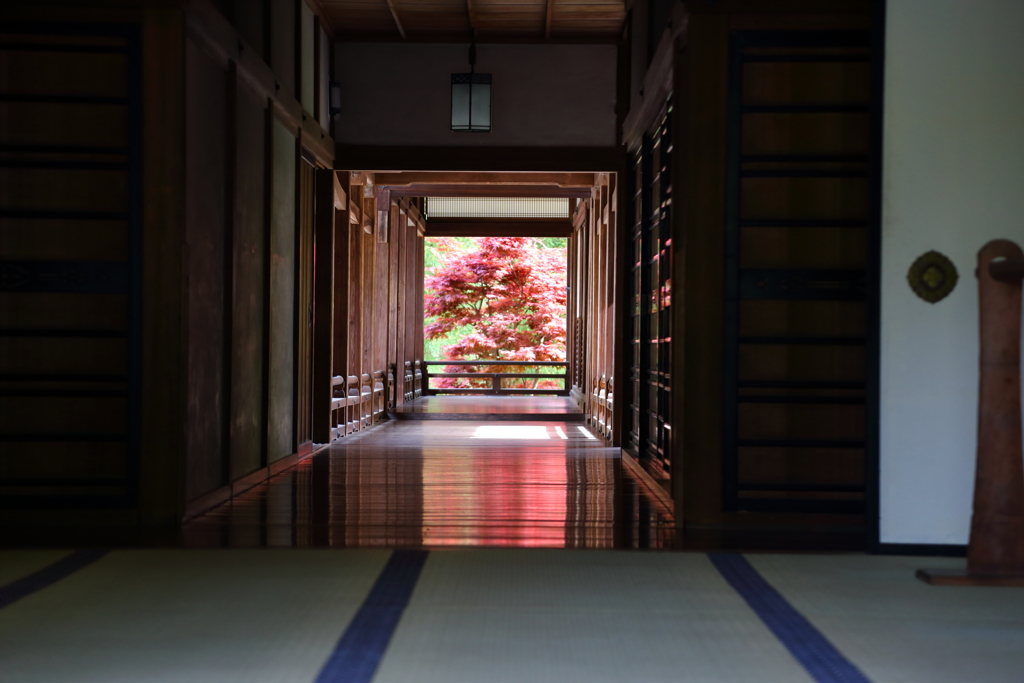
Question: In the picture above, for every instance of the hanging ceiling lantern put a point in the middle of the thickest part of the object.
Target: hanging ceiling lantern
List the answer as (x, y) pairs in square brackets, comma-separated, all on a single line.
[(471, 99)]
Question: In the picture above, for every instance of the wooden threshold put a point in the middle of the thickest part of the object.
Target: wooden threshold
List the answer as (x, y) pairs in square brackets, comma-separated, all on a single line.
[(649, 482), (960, 577), (210, 500)]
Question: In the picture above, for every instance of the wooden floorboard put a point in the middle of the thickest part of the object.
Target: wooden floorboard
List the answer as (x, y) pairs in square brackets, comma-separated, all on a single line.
[(451, 483), (526, 408), (475, 483)]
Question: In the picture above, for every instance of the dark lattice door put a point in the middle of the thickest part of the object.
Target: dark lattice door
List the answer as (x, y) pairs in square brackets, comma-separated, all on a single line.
[(796, 252)]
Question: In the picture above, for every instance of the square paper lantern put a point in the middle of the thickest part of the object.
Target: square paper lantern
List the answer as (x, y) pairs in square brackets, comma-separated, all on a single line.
[(471, 103)]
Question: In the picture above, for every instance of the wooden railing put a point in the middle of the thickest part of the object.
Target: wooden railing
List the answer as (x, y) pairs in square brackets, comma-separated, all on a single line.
[(602, 406), (412, 382), (496, 387), (357, 402)]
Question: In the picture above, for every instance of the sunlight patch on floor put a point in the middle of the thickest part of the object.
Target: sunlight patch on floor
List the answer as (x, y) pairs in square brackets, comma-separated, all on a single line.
[(531, 432)]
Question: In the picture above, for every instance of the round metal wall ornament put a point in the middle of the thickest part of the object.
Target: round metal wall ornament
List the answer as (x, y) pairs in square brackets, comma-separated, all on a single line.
[(932, 277)]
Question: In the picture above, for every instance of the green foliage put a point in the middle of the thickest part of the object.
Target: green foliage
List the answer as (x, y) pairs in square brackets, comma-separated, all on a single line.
[(433, 349)]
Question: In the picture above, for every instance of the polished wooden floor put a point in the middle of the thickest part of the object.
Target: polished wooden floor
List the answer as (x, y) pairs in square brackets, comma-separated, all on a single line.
[(491, 408), (447, 483), (480, 482)]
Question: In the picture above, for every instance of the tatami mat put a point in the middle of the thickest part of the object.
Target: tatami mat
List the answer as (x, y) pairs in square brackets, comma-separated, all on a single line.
[(192, 616), (17, 564), (898, 629), (520, 615), (495, 615)]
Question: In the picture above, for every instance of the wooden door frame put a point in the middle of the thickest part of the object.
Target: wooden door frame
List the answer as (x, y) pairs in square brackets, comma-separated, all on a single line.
[(610, 159)]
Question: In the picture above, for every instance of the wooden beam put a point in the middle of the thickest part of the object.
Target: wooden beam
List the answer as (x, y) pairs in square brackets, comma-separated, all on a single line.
[(485, 178), (414, 214), (580, 215), (611, 36), (340, 196), (472, 158), (432, 190), (394, 15), (383, 215), (498, 227), (369, 211)]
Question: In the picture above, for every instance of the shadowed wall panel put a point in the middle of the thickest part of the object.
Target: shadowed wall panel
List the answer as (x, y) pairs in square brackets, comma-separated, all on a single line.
[(543, 94), (304, 309), (247, 288), (307, 57), (248, 18), (281, 380), (205, 467), (323, 86), (282, 43)]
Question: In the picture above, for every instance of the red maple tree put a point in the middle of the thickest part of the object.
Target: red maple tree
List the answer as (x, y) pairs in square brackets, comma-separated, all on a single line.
[(511, 292)]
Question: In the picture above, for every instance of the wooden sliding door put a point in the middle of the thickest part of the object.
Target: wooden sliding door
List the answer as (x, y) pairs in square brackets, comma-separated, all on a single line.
[(795, 283), (649, 281), (71, 258)]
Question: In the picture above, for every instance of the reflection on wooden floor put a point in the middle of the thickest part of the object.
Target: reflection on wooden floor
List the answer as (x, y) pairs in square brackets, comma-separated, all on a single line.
[(443, 483), (490, 408)]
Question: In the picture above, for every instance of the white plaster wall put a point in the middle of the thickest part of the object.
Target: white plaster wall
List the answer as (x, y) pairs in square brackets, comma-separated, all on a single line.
[(397, 94), (953, 179)]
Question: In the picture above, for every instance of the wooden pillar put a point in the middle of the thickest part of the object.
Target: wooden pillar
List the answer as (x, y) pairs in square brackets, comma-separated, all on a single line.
[(355, 282), (415, 349), (995, 556), (622, 334), (570, 312), (342, 277), (323, 304), (413, 294)]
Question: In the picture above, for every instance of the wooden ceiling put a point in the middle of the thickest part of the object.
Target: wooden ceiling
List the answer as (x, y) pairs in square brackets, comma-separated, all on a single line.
[(494, 20)]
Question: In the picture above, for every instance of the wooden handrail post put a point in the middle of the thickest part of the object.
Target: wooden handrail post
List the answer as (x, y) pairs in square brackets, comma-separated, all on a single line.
[(1007, 270), (995, 554)]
